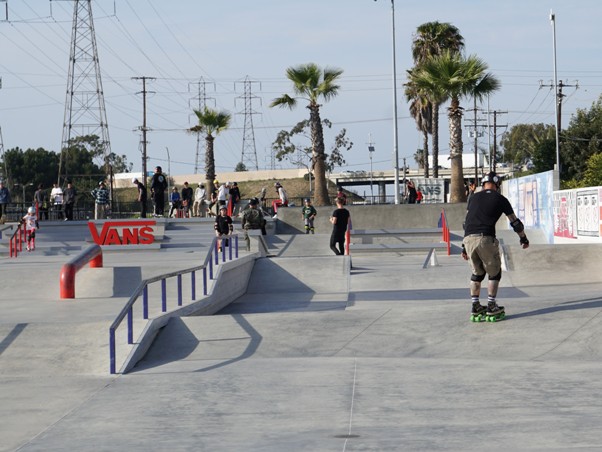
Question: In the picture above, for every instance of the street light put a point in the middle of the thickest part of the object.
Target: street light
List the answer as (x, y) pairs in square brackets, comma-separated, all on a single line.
[(553, 22), (370, 152), (395, 138)]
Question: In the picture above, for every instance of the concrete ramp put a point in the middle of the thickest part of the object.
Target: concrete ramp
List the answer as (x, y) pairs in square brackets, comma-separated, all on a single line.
[(555, 264)]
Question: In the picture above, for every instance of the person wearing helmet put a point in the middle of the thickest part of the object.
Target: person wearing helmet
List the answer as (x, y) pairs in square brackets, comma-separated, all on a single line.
[(308, 213), (481, 248), (142, 196), (282, 200), (158, 186), (223, 227), (252, 218), (31, 224)]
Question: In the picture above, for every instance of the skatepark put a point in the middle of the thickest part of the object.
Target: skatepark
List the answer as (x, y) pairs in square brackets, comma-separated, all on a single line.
[(372, 351)]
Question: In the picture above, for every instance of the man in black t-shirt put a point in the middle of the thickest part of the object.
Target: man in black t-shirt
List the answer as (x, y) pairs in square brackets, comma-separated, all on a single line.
[(141, 189), (158, 187), (481, 247), (339, 220)]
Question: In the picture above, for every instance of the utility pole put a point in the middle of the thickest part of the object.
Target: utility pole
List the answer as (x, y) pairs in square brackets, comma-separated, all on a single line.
[(473, 132), (144, 129), (493, 154), (249, 152), (557, 86), (201, 100)]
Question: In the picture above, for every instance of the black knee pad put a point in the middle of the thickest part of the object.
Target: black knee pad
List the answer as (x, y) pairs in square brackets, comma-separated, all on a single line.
[(477, 278), (496, 277)]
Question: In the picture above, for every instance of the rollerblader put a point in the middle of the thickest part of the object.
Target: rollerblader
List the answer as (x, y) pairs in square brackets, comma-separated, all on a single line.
[(481, 248)]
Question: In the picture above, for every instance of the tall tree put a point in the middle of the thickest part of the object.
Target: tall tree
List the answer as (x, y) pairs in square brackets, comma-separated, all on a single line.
[(313, 84), (458, 77), (421, 110), (287, 147), (580, 140), (211, 122), (431, 39)]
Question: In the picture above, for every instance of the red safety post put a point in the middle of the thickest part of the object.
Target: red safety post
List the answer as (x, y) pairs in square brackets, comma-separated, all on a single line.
[(446, 234), (348, 237), (92, 254)]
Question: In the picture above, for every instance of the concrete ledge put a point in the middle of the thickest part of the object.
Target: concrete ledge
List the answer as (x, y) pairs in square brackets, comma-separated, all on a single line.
[(232, 280), (366, 247), (394, 232)]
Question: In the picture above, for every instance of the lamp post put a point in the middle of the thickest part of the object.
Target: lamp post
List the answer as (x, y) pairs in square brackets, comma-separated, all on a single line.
[(370, 152), (557, 105), (395, 128)]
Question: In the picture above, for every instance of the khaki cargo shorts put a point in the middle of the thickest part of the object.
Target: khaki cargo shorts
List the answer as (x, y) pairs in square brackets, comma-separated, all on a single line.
[(483, 254)]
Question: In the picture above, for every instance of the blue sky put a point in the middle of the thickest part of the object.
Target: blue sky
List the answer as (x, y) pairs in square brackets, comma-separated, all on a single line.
[(224, 41)]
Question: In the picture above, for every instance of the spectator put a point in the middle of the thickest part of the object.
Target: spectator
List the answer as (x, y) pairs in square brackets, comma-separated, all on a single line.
[(222, 193), (41, 199), (175, 200), (341, 195), (282, 200), (142, 196), (418, 195), (101, 201), (69, 198), (339, 220), (158, 187), (411, 192), (223, 227), (234, 199), (4, 201), (56, 197), (186, 199), (198, 208)]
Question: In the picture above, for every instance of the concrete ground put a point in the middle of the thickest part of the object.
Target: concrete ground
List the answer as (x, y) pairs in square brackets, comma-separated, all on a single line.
[(372, 352)]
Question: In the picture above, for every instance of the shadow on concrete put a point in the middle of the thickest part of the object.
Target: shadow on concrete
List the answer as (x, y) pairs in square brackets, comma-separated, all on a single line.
[(176, 342), (590, 303), (10, 337), (427, 294)]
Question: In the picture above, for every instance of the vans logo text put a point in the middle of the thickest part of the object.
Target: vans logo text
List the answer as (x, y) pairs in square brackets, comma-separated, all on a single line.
[(124, 233)]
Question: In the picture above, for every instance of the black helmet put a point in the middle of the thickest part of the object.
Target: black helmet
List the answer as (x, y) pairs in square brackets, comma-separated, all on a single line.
[(491, 177), (254, 201)]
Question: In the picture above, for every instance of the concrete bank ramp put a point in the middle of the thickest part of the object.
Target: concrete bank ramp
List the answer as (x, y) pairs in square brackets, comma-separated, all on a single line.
[(295, 284), (555, 264)]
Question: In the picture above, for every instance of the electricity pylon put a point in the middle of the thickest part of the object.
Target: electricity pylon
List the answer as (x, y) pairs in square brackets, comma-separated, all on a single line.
[(85, 112)]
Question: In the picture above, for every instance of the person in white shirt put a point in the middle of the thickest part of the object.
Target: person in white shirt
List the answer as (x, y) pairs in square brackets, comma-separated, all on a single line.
[(198, 208), (222, 194), (56, 198)]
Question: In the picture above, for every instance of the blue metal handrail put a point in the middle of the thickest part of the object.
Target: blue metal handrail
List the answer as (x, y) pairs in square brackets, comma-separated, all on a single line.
[(142, 289)]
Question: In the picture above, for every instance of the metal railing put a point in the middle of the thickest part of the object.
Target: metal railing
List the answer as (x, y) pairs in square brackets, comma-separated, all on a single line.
[(229, 252), (92, 254)]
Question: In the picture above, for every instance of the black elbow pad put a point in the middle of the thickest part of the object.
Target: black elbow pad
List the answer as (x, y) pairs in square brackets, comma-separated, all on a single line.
[(517, 226)]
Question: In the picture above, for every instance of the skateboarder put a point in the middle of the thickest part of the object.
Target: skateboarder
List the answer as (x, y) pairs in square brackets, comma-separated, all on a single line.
[(480, 246)]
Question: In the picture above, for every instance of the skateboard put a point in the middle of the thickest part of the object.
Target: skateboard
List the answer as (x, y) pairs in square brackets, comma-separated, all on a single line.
[(488, 317)]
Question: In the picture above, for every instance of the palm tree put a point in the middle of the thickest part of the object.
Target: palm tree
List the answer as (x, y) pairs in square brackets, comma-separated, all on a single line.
[(211, 122), (430, 39), (458, 77), (313, 84), (421, 110)]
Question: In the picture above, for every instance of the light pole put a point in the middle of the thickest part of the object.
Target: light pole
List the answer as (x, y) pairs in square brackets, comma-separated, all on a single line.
[(370, 152), (395, 137), (553, 22)]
